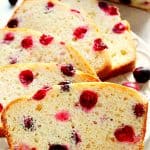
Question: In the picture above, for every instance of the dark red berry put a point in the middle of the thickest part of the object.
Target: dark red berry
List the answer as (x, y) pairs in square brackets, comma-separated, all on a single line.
[(99, 45), (127, 2), (119, 28), (65, 86), (40, 94), (28, 123), (26, 77), (109, 10), (80, 32), (13, 23), (139, 110), (68, 70), (132, 85), (62, 43), (50, 5), (62, 116), (46, 39), (76, 11), (88, 99), (12, 60), (9, 37), (141, 74), (125, 134), (1, 107), (27, 42), (13, 2), (76, 137), (58, 147)]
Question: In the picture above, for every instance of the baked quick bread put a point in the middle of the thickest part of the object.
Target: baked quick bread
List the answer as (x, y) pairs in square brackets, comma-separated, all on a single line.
[(25, 46), (115, 31), (89, 116), (25, 79), (51, 16), (144, 4)]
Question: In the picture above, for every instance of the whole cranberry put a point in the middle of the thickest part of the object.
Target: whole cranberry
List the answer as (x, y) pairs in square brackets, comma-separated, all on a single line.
[(141, 74)]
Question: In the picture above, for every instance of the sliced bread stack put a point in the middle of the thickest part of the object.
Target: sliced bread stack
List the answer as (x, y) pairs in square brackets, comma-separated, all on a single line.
[(70, 26), (89, 116), (25, 79)]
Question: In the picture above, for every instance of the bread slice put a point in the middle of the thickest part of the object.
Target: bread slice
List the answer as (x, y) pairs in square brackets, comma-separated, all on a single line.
[(90, 116), (122, 49), (50, 16), (27, 46), (25, 79), (135, 3)]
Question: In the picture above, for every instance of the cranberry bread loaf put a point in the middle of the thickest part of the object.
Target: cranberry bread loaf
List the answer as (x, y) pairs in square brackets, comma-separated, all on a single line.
[(122, 48), (25, 46), (89, 116), (144, 4), (24, 79), (51, 16)]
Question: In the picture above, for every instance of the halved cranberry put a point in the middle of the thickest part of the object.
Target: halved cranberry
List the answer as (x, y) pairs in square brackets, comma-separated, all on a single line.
[(80, 32), (9, 37), (50, 5), (119, 28), (26, 77), (62, 116), (132, 85), (58, 147), (65, 85), (40, 94), (28, 123), (99, 45), (76, 137), (27, 42), (46, 39), (76, 11), (109, 10), (1, 107), (125, 134), (139, 110), (13, 23), (68, 70), (88, 99)]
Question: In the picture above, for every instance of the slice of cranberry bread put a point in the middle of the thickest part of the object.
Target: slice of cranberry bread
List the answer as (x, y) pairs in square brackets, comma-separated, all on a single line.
[(144, 4), (117, 33), (25, 79), (71, 26), (25, 46), (88, 116)]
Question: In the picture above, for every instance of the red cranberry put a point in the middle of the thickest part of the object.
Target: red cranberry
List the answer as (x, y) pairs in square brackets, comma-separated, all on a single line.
[(49, 5), (40, 94), (28, 123), (9, 37), (76, 137), (88, 99), (65, 86), (132, 85), (141, 74), (62, 116), (1, 107), (58, 147), (139, 110), (26, 77), (12, 60), (27, 42), (13, 2), (125, 134), (119, 28), (46, 39), (99, 45), (68, 70), (13, 23), (109, 10), (76, 11), (80, 32)]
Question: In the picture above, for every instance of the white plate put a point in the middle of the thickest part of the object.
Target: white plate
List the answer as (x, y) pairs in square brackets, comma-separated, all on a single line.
[(143, 59)]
